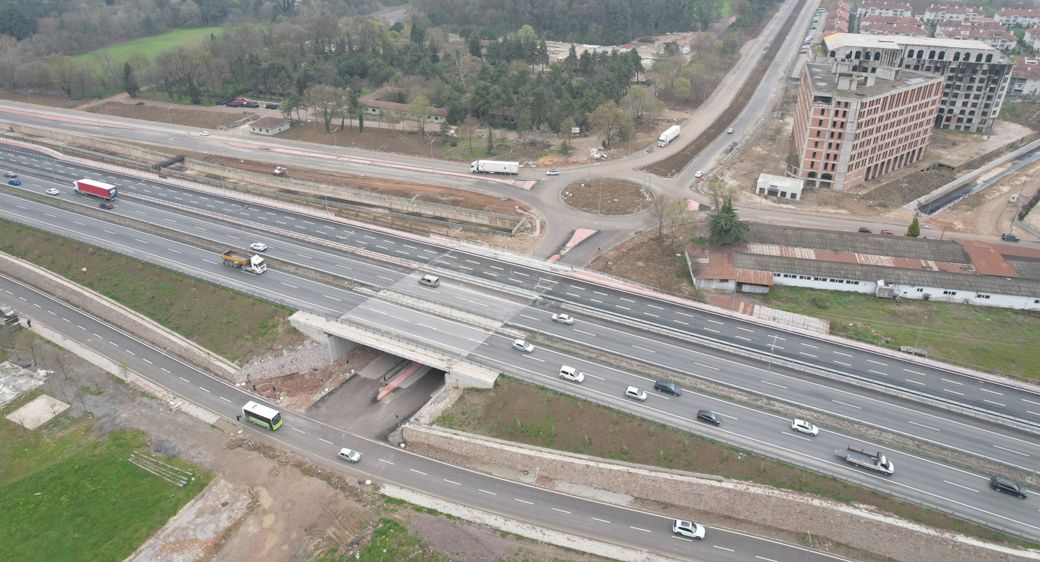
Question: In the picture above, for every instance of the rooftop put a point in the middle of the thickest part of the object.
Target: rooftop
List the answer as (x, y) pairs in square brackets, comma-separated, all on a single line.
[(856, 40), (269, 123), (825, 81), (1026, 68)]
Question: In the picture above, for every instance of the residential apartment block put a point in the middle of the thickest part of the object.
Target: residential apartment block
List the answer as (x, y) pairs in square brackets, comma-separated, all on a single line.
[(976, 75), (1025, 79), (1031, 37), (854, 123), (938, 13), (901, 30), (896, 9), (1013, 17), (981, 29)]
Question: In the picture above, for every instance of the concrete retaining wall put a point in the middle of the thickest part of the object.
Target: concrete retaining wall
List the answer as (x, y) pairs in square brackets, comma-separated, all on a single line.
[(858, 527)]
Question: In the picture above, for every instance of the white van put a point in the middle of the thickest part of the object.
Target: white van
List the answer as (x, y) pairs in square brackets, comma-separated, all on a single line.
[(571, 374), (430, 280)]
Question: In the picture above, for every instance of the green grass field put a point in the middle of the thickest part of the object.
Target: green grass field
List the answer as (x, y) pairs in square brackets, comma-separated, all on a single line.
[(991, 339), (67, 497), (152, 46)]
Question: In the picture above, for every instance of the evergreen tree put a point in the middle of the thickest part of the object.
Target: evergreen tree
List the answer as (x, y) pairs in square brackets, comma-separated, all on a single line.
[(129, 82), (915, 228), (726, 228)]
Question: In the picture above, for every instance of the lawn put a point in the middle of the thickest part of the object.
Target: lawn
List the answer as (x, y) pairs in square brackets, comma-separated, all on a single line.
[(225, 322), (152, 46), (66, 496), (986, 338), (523, 413)]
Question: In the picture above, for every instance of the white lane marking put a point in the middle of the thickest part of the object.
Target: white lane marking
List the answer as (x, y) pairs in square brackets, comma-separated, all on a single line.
[(639, 529), (996, 403), (600, 520), (600, 293), (681, 322), (386, 461), (922, 425), (877, 372), (297, 430), (452, 482), (325, 440), (1010, 450), (657, 307), (684, 314), (962, 384), (766, 559), (742, 338), (626, 300), (596, 301), (644, 349), (807, 354), (774, 384), (381, 277), (877, 362), (722, 548), (561, 511), (745, 329), (715, 321), (840, 353), (849, 405), (417, 471), (812, 346), (911, 381), (953, 392), (960, 486), (840, 363), (649, 314), (992, 392), (1031, 402), (225, 400), (624, 307), (333, 298), (486, 492), (572, 295), (915, 372), (288, 285), (203, 388), (712, 330), (522, 501), (586, 333)]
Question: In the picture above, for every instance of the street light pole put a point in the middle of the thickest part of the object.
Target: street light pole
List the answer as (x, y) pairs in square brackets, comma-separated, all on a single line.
[(168, 117), (28, 96), (919, 330)]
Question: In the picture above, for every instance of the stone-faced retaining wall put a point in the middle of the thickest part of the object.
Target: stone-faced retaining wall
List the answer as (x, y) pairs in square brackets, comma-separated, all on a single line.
[(859, 527)]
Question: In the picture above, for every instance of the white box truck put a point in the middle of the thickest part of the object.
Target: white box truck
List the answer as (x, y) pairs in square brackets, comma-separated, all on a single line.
[(494, 167), (668, 136)]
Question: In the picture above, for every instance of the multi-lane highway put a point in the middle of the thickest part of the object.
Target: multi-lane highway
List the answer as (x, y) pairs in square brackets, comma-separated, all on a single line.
[(610, 524), (615, 325)]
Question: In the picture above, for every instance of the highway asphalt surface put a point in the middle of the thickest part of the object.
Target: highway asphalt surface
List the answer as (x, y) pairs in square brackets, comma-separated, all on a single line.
[(384, 463), (956, 490)]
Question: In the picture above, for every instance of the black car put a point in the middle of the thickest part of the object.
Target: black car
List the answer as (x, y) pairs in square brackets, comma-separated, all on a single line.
[(1008, 487), (225, 101), (668, 387), (1009, 237), (270, 106), (106, 205), (234, 103), (865, 230), (707, 416)]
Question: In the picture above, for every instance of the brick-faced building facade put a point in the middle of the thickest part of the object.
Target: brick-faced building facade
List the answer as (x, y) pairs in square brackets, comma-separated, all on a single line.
[(853, 125), (976, 75)]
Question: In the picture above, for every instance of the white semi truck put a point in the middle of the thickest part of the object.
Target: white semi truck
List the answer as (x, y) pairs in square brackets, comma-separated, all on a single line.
[(668, 136), (876, 462), (494, 167)]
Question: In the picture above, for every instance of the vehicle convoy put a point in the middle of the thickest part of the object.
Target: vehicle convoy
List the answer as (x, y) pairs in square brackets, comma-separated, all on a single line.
[(494, 167), (249, 264), (668, 135), (876, 462), (95, 188)]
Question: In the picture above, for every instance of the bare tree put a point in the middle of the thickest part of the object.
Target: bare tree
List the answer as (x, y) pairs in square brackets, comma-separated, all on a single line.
[(669, 216), (325, 100), (719, 191)]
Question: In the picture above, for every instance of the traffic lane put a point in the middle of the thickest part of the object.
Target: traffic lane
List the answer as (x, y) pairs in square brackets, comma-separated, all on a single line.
[(988, 441)]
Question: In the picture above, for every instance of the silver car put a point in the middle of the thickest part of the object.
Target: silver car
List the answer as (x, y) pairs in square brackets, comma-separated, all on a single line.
[(349, 455)]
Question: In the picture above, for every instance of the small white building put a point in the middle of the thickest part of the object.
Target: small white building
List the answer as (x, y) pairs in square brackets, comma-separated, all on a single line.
[(779, 186), (269, 126)]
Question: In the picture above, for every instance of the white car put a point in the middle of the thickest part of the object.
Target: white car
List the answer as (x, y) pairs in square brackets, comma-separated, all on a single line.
[(258, 247), (699, 174), (729, 131), (571, 374), (553, 172), (688, 529), (204, 134), (563, 319), (349, 455), (53, 191), (803, 426), (521, 345), (635, 394)]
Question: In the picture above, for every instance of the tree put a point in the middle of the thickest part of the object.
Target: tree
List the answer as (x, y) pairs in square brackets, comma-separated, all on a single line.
[(682, 88), (725, 227), (419, 109), (914, 229), (361, 122), (293, 103), (62, 72), (611, 122), (325, 101), (719, 191), (129, 82), (668, 215)]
